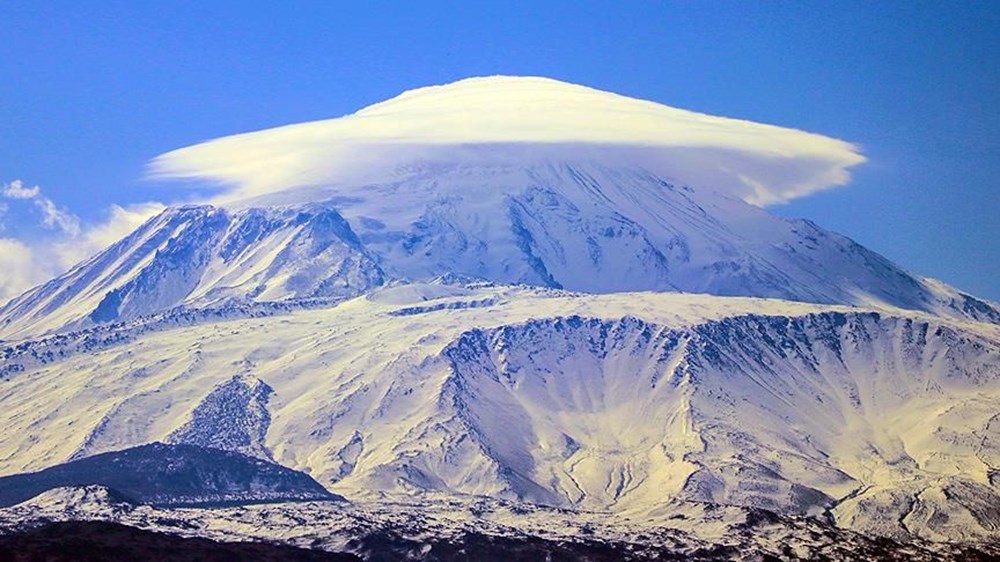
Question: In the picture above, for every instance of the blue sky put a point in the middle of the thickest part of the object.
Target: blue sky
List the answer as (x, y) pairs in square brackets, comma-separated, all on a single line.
[(93, 90)]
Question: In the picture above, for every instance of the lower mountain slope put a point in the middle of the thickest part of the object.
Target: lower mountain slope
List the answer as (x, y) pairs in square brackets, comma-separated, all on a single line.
[(884, 420), (431, 528)]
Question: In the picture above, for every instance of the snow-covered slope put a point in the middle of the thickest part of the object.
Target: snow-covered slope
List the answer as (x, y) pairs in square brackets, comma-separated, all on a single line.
[(625, 401), (584, 226)]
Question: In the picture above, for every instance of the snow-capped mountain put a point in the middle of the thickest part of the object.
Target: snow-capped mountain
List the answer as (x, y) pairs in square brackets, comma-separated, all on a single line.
[(478, 307), (534, 198), (584, 227)]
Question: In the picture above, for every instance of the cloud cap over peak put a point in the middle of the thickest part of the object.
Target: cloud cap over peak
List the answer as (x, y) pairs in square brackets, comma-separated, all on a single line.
[(761, 163)]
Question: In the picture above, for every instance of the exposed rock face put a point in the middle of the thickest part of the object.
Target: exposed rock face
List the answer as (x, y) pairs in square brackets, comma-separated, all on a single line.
[(233, 417)]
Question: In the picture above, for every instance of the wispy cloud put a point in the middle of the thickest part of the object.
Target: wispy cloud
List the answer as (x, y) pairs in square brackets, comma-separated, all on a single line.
[(25, 263), (16, 190), (119, 221), (760, 163), (53, 217)]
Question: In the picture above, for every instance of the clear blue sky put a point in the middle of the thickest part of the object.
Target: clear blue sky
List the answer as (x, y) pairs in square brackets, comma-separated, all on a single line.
[(92, 90)]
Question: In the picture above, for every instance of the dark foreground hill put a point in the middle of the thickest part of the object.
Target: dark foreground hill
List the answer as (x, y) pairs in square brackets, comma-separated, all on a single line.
[(162, 474)]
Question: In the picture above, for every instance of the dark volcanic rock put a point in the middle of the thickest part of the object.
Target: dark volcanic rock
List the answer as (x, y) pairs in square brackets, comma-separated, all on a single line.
[(172, 475)]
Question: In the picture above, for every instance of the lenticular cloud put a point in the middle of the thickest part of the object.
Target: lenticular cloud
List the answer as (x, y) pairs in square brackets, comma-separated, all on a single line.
[(520, 117)]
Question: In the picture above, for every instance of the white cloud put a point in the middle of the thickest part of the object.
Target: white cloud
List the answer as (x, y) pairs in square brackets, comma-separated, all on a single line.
[(18, 269), (763, 164), (24, 264), (53, 217), (16, 190)]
